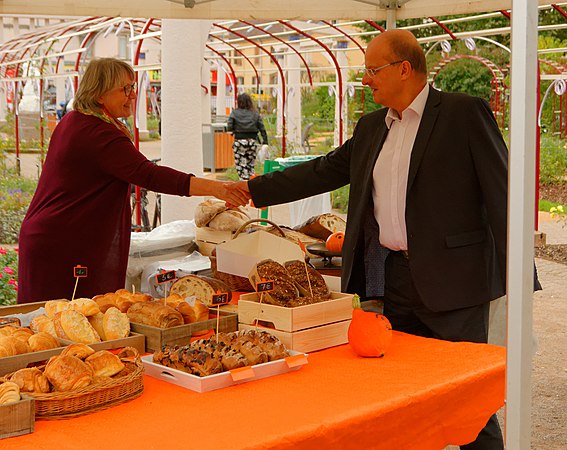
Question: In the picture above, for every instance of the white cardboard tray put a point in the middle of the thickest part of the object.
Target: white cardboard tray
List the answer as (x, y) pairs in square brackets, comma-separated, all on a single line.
[(224, 379)]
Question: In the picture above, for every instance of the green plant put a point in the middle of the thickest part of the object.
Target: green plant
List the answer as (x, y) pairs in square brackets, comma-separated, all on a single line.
[(339, 199), (553, 160), (8, 276)]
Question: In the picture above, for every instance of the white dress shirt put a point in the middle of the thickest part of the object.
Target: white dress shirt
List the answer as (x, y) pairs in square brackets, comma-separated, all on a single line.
[(390, 176)]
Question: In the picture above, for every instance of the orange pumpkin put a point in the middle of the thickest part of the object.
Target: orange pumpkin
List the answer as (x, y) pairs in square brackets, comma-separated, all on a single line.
[(335, 242), (369, 333)]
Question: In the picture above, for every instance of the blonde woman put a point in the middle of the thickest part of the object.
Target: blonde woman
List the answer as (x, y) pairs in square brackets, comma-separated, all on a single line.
[(80, 213)]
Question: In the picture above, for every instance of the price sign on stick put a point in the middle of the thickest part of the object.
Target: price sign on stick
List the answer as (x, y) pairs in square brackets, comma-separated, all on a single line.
[(262, 287), (165, 277), (220, 298), (78, 272)]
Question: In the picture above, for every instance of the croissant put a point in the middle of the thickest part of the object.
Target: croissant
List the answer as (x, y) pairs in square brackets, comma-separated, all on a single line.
[(68, 373), (7, 346), (22, 334), (105, 301), (9, 392), (42, 341), (31, 380), (7, 330), (155, 314), (104, 364)]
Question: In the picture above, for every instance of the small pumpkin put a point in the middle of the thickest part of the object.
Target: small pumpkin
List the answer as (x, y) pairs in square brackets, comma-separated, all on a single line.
[(369, 333), (335, 241)]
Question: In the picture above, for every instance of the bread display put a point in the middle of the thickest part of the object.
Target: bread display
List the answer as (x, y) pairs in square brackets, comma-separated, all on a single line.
[(155, 314), (9, 392), (284, 287), (200, 287), (225, 351), (23, 340), (104, 364), (74, 326), (322, 226), (67, 373), (31, 380)]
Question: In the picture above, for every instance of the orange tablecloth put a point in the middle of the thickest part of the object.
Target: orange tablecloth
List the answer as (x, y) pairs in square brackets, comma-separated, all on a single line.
[(424, 394)]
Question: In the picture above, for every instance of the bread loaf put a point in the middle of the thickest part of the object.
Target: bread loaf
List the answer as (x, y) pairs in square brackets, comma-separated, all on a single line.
[(284, 287), (207, 210), (96, 323), (229, 220), (191, 308), (54, 306), (315, 286), (74, 326), (322, 226), (199, 287), (155, 314), (85, 306), (115, 324), (43, 323)]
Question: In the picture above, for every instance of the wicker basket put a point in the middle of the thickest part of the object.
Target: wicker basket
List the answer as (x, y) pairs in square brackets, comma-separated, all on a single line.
[(235, 282), (96, 397)]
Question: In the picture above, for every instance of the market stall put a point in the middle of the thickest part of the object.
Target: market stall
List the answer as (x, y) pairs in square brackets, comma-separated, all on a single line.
[(423, 394)]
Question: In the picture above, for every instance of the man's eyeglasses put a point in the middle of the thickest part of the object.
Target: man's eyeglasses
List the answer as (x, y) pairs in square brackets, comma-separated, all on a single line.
[(373, 72), (129, 88)]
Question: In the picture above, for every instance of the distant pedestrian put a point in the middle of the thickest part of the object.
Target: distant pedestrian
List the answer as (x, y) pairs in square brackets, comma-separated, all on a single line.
[(245, 122)]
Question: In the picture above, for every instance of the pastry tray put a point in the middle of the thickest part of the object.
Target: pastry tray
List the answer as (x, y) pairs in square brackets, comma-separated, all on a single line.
[(224, 379)]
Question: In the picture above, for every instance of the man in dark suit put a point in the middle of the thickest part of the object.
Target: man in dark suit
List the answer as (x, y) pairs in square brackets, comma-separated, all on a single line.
[(426, 224)]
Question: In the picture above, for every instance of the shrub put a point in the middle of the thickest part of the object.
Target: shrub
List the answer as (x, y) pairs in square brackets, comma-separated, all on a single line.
[(553, 160), (8, 276)]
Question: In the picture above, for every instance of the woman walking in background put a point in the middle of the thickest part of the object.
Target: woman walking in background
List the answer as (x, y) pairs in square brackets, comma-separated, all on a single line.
[(245, 122)]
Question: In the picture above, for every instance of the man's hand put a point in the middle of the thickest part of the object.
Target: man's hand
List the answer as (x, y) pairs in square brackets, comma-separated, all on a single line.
[(233, 193)]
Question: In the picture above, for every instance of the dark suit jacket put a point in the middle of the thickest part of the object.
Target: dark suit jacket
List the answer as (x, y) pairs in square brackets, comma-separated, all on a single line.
[(456, 204)]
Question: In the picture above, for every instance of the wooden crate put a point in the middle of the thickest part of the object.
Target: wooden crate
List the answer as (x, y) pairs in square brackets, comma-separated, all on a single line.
[(17, 418), (180, 335), (12, 363), (311, 339), (337, 309)]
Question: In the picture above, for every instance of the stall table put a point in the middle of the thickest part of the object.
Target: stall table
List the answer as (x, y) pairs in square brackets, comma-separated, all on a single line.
[(424, 394)]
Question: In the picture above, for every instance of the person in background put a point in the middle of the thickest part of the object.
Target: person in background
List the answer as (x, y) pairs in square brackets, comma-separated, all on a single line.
[(427, 214), (80, 213), (245, 122)]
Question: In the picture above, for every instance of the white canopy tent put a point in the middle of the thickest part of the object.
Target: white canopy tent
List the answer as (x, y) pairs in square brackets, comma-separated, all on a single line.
[(522, 126)]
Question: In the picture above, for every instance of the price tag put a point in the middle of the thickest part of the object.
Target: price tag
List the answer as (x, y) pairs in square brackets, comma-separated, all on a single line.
[(265, 286), (164, 277), (80, 271), (220, 298)]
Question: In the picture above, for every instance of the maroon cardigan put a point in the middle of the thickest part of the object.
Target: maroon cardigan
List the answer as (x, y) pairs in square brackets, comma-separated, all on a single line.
[(80, 213)]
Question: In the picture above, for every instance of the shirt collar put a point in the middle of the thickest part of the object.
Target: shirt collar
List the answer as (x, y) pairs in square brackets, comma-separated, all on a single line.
[(417, 106)]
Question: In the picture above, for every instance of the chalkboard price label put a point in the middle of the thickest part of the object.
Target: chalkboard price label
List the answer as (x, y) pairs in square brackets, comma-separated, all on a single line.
[(265, 286), (80, 271), (220, 298), (164, 277)]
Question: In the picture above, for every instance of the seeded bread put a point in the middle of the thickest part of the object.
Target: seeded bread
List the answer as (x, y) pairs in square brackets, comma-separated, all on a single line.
[(314, 287), (284, 291)]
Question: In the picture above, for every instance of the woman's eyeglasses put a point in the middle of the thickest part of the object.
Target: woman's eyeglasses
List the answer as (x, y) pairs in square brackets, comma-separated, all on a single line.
[(373, 72), (129, 88)]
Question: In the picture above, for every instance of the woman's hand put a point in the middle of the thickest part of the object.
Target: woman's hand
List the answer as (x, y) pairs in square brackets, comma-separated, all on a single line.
[(234, 193)]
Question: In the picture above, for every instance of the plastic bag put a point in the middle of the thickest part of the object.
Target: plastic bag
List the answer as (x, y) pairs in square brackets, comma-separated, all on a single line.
[(167, 236), (188, 265), (263, 153)]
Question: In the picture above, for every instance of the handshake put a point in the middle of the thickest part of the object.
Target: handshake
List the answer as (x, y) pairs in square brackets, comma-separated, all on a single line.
[(235, 193)]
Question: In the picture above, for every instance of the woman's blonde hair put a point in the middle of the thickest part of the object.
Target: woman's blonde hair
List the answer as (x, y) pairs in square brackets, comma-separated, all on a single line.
[(101, 76)]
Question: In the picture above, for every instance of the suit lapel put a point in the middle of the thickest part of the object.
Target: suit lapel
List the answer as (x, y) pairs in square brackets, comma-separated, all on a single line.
[(430, 114)]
